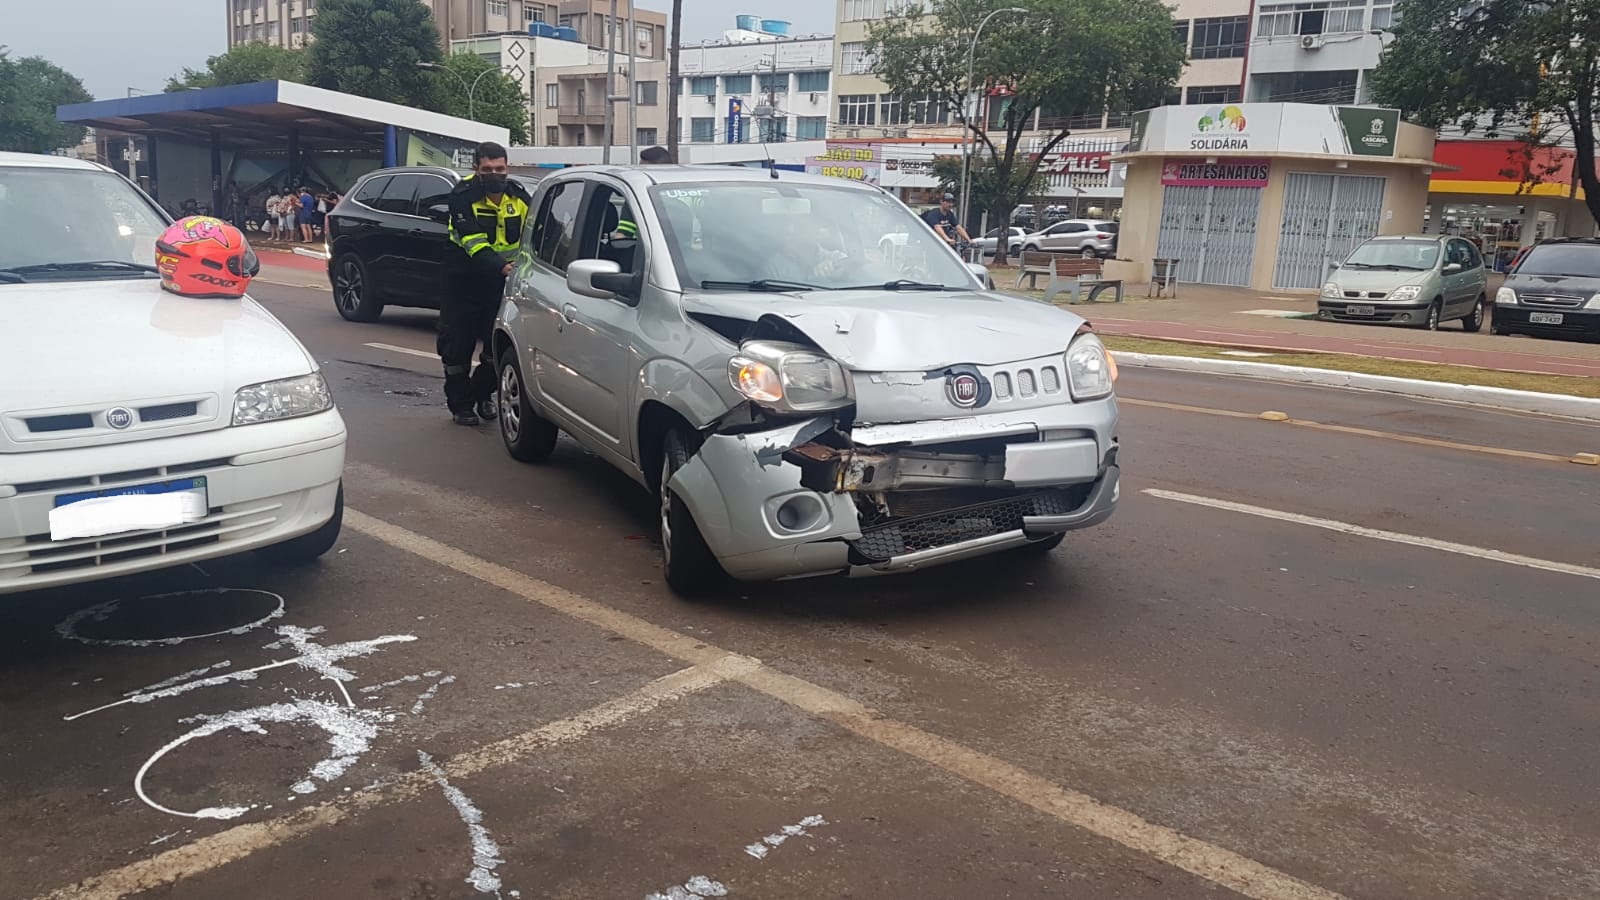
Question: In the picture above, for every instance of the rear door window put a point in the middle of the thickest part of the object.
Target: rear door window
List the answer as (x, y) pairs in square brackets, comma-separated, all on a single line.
[(371, 190), (400, 195), (432, 191)]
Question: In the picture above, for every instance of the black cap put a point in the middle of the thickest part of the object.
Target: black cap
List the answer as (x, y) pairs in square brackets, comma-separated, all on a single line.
[(950, 197)]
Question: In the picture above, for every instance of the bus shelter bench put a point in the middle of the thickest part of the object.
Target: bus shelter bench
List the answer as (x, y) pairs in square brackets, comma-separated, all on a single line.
[(1074, 273)]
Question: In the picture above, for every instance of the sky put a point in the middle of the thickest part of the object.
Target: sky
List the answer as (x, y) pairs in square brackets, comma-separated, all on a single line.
[(115, 45)]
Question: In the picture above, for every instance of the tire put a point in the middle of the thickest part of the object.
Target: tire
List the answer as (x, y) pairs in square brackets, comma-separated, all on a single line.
[(1089, 252), (1030, 248), (352, 290), (528, 437), (1042, 547), (687, 563), (1474, 322), (308, 548), (1435, 310)]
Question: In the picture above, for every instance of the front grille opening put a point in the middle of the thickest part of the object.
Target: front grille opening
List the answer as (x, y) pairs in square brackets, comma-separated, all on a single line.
[(115, 479), (897, 534), (169, 411), (69, 422), (180, 538)]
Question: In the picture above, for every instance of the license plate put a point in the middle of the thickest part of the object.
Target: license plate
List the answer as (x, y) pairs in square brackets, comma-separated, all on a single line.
[(1546, 318), (1359, 310), (122, 510), (183, 485)]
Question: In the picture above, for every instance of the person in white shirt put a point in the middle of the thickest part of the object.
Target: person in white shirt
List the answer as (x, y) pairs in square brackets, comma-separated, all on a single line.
[(274, 210)]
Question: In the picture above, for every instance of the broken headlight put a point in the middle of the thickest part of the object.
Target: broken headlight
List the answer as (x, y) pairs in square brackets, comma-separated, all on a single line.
[(1090, 371), (788, 378)]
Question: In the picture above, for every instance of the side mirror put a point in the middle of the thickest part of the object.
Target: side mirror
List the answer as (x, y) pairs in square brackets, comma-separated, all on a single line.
[(1452, 268), (439, 212), (602, 279), (1337, 265), (982, 271)]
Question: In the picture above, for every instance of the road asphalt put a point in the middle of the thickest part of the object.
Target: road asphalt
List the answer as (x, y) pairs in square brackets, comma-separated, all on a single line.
[(1354, 654)]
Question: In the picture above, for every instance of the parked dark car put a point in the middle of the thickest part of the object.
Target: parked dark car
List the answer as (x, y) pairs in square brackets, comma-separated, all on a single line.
[(1553, 290), (387, 241)]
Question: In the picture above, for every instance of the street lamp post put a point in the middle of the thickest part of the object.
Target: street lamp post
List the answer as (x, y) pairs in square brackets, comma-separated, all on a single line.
[(472, 110), (968, 143)]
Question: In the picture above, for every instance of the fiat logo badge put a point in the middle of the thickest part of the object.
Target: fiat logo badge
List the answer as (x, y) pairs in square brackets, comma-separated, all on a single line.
[(963, 390), (119, 418)]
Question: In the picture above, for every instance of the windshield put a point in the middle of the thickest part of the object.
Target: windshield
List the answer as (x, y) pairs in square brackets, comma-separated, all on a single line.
[(1578, 260), (731, 234), (53, 218), (1417, 255)]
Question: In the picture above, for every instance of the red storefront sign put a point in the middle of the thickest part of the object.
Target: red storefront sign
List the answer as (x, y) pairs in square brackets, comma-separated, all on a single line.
[(1503, 167), (1227, 172)]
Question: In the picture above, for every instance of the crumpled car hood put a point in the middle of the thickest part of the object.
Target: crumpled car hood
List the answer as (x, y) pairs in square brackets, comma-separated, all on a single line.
[(900, 331)]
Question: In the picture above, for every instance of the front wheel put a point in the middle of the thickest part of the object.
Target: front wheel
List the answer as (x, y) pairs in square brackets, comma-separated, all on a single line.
[(688, 564), (528, 437), (352, 290), (1435, 310), (1474, 322), (1089, 253)]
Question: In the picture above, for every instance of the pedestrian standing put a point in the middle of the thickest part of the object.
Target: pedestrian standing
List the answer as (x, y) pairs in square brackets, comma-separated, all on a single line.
[(308, 209), (274, 204), (488, 212)]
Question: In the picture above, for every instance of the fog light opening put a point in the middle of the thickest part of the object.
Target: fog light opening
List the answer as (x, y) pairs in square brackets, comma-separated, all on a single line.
[(799, 513)]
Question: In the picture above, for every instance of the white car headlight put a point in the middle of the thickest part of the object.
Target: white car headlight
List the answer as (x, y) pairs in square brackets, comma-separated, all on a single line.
[(788, 378), (1506, 297), (1331, 291), (1090, 371), (1594, 302), (1406, 292), (283, 399)]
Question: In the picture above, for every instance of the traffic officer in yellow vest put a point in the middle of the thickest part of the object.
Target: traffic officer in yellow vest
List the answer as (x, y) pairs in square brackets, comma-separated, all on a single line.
[(488, 212)]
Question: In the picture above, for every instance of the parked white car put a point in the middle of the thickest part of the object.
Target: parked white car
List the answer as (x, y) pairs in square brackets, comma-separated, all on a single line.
[(111, 387), (1086, 237)]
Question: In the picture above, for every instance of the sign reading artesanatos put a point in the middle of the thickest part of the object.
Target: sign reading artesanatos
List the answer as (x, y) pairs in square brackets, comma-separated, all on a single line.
[(1223, 173)]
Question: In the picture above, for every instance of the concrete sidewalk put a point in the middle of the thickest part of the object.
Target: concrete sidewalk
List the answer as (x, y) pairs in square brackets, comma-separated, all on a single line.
[(1284, 321)]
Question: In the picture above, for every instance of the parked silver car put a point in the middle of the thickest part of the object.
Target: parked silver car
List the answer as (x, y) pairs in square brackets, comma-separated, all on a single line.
[(1086, 237), (801, 403), (1420, 280)]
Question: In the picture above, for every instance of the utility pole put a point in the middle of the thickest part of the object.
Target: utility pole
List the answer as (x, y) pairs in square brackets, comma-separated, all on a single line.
[(633, 89), (611, 83)]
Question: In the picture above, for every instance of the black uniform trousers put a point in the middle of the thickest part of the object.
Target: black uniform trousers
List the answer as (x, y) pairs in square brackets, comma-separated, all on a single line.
[(466, 319)]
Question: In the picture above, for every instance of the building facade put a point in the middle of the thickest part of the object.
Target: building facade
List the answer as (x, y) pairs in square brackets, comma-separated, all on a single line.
[(755, 87), (287, 23), (1316, 51)]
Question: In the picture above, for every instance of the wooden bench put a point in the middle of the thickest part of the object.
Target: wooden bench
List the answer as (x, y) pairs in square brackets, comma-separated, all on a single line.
[(1071, 272)]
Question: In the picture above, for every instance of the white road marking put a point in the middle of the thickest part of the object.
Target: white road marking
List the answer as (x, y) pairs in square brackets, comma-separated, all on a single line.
[(485, 852), (430, 693), (697, 888), (759, 849), (68, 627), (236, 843), (292, 284), (1395, 537), (178, 679), (373, 688), (406, 350), (1168, 845)]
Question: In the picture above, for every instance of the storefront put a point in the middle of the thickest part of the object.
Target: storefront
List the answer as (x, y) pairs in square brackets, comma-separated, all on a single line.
[(1268, 195), (1506, 195)]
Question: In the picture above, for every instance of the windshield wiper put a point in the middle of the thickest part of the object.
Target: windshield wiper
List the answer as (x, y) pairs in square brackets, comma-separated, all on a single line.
[(92, 265), (765, 285), (902, 284)]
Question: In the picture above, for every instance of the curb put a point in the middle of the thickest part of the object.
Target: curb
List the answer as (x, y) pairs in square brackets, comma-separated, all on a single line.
[(1498, 398)]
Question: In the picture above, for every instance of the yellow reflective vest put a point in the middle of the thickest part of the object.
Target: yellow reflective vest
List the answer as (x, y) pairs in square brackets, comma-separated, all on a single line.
[(488, 233)]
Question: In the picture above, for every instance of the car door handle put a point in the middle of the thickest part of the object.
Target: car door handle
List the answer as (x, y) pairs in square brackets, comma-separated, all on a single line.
[(569, 312)]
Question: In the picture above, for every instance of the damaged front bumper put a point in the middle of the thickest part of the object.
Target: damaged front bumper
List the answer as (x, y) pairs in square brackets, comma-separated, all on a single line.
[(808, 499)]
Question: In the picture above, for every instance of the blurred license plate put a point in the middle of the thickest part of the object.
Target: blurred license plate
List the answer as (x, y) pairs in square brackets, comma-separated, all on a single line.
[(1546, 318), (1359, 310), (182, 485)]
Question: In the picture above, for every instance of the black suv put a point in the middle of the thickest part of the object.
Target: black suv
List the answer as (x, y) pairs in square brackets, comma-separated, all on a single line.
[(387, 240), (1553, 290)]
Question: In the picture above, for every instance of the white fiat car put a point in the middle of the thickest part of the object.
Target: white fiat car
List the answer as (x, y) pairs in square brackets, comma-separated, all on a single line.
[(175, 429)]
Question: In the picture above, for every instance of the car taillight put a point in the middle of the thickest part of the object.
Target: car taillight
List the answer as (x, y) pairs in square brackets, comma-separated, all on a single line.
[(1103, 237)]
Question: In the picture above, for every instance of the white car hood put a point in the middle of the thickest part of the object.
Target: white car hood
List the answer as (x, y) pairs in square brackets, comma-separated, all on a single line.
[(896, 331), (86, 346)]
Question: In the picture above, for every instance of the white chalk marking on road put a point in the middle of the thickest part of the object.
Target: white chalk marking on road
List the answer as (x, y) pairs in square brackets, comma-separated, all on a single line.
[(406, 350), (429, 694), (350, 734), (1168, 845), (759, 848), (697, 888), (68, 627), (178, 679), (374, 688), (217, 850), (1394, 537), (315, 657), (485, 852)]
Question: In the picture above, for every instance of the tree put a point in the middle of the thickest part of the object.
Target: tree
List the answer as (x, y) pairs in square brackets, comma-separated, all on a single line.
[(372, 48), (674, 80), (497, 99), (30, 90), (1529, 68), (1062, 57), (244, 64)]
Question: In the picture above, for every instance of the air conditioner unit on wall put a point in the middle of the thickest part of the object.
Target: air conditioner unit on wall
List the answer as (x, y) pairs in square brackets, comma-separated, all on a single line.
[(1310, 41)]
